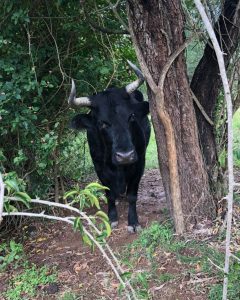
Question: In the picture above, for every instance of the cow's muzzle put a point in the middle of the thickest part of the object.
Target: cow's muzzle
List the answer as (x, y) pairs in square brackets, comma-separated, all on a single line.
[(124, 158)]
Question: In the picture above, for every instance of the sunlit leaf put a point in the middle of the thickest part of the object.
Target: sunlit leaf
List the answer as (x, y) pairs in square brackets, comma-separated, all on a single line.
[(108, 228), (70, 194), (102, 215), (86, 239), (96, 185)]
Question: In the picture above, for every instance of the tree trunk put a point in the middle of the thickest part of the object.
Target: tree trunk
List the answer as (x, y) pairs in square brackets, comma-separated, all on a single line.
[(206, 84), (158, 31)]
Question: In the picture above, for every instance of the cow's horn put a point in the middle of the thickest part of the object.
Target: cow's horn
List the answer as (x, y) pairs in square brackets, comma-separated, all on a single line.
[(82, 101), (131, 87)]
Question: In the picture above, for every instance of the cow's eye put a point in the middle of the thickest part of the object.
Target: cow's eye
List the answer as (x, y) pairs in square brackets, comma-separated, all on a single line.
[(132, 118), (104, 125)]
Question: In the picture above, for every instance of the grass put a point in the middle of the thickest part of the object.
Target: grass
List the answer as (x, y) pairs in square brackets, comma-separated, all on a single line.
[(27, 278), (236, 143), (70, 296), (10, 254), (236, 138), (25, 284), (157, 244)]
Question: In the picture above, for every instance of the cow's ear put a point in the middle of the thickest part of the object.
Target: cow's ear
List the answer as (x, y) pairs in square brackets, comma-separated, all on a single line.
[(81, 121), (141, 109)]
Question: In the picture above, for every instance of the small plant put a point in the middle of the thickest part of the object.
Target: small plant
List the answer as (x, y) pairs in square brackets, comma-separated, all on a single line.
[(89, 197), (166, 277), (154, 236), (15, 187), (70, 296), (233, 285), (25, 284), (11, 254)]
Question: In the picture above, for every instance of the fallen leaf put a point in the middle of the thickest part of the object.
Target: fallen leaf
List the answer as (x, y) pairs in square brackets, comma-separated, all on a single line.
[(41, 239), (78, 267)]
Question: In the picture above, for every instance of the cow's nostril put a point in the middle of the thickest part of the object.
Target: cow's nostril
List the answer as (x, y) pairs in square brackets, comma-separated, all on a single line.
[(125, 157)]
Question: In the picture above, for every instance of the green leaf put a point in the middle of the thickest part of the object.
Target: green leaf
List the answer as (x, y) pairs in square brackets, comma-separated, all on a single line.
[(108, 228), (9, 208), (86, 239), (93, 199), (96, 185), (102, 215), (126, 275), (78, 225), (11, 185), (23, 197), (70, 193)]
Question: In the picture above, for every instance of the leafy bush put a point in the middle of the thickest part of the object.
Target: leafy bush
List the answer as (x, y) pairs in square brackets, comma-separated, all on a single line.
[(34, 82)]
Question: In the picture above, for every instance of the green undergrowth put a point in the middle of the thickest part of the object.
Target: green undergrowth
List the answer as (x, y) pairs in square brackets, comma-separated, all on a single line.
[(236, 138), (28, 278), (157, 246), (236, 143), (70, 296)]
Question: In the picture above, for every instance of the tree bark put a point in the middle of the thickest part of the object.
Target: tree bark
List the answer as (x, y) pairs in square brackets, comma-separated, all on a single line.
[(158, 28), (206, 84)]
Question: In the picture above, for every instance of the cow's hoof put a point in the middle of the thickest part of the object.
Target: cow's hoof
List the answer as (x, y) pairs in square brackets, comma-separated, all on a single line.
[(134, 228), (114, 224)]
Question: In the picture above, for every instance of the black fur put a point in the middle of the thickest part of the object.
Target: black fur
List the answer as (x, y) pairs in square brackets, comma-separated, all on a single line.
[(117, 123)]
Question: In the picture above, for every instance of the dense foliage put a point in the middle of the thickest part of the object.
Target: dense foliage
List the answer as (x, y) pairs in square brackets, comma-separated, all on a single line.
[(42, 45)]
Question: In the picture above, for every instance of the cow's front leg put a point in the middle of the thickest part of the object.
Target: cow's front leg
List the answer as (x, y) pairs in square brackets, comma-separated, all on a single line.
[(133, 225), (112, 210)]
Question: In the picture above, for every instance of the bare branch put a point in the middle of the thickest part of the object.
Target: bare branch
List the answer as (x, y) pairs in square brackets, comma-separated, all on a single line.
[(114, 9), (168, 64), (234, 256), (228, 99), (57, 50), (106, 30), (70, 220), (216, 266), (98, 27), (202, 109)]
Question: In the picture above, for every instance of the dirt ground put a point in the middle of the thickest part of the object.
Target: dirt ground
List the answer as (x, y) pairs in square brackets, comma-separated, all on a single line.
[(87, 274)]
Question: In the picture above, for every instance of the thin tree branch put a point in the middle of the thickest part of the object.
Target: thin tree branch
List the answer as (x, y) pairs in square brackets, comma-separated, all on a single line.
[(216, 266), (114, 9), (202, 109), (170, 61), (228, 99), (234, 256), (97, 26), (70, 220), (106, 30)]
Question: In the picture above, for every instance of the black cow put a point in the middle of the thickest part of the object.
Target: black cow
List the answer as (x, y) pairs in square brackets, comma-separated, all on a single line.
[(118, 132)]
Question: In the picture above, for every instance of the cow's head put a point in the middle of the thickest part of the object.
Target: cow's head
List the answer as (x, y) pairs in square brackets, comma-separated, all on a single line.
[(115, 114)]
